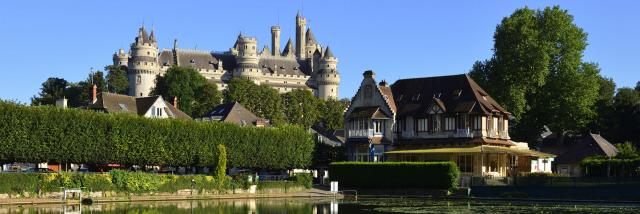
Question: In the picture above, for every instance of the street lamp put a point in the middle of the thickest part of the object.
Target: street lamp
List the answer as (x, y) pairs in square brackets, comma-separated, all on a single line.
[(193, 185)]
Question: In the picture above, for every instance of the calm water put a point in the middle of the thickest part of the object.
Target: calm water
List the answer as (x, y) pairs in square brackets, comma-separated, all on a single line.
[(378, 205)]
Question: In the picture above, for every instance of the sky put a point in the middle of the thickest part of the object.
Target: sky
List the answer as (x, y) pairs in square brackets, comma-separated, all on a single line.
[(396, 39)]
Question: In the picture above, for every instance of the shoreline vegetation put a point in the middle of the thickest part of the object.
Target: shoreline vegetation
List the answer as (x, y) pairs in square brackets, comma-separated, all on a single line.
[(125, 184)]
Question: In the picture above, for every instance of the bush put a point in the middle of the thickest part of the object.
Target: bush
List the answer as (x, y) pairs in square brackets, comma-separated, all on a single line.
[(436, 175), (303, 179), (600, 166), (284, 185), (50, 134), (17, 183)]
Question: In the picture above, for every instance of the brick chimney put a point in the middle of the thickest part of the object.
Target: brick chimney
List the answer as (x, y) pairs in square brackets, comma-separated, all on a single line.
[(94, 94), (175, 102)]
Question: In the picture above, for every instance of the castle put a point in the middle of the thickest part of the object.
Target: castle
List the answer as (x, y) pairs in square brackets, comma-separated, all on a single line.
[(308, 65)]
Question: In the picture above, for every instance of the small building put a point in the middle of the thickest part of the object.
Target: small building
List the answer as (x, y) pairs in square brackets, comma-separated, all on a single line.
[(235, 113), (150, 107), (571, 152), (445, 118)]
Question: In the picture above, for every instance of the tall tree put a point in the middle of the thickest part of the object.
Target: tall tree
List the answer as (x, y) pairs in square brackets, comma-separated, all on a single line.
[(604, 107), (52, 89), (195, 95), (300, 107), (117, 81), (538, 74), (625, 123), (262, 100), (332, 113)]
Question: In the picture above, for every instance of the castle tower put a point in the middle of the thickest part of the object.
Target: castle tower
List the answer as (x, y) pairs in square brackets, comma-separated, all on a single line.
[(275, 40), (328, 77), (247, 59), (121, 58), (311, 44), (301, 25), (143, 66)]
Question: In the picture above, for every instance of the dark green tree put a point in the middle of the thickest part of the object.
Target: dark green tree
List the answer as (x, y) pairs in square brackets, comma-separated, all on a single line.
[(332, 113), (300, 107), (625, 123), (195, 95), (117, 81), (52, 89), (604, 107), (537, 72), (262, 100)]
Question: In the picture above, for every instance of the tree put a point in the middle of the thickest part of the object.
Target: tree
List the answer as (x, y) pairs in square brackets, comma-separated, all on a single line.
[(627, 150), (52, 89), (625, 122), (117, 81), (221, 166), (262, 100), (537, 72), (300, 107), (604, 106), (332, 113), (195, 95)]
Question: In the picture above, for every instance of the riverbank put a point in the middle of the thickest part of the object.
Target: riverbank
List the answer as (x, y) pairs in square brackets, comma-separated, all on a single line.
[(310, 193)]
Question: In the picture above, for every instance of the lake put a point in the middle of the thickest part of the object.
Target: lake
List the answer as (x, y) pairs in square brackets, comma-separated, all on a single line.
[(368, 205)]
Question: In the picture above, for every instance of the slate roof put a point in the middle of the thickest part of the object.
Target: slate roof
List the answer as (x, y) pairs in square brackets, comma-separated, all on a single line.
[(288, 49), (575, 152), (388, 94), (453, 94), (311, 39), (368, 112), (235, 113), (118, 103)]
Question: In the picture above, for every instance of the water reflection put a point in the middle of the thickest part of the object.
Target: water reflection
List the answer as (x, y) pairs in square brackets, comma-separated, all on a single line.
[(321, 206)]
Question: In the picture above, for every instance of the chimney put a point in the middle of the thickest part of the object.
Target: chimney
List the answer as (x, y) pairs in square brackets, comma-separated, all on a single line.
[(94, 94), (175, 102), (62, 103), (369, 74), (383, 83)]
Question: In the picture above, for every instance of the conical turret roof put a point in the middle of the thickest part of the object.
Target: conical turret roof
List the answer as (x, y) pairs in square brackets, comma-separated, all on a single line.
[(311, 39), (328, 54), (288, 48)]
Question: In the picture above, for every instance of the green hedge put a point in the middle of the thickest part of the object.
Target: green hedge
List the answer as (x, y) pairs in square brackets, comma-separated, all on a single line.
[(436, 175), (600, 166), (116, 180), (50, 134)]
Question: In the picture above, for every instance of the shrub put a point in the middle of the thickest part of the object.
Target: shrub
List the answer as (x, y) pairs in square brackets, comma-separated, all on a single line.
[(436, 175), (48, 134), (303, 179), (285, 185), (18, 183)]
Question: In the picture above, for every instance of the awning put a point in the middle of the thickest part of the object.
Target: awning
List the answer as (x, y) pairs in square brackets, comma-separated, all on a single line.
[(477, 149)]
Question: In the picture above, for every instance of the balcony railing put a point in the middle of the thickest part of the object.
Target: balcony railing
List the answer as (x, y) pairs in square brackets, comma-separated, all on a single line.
[(360, 133)]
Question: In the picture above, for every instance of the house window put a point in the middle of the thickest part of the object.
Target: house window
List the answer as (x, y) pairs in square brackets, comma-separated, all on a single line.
[(401, 125), (422, 125), (378, 127), (465, 163), (492, 162), (437, 122), (477, 123), (462, 121), (450, 123)]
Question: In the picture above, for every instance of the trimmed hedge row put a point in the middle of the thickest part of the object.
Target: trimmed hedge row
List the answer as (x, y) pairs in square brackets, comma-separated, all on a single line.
[(116, 180), (50, 134), (433, 175)]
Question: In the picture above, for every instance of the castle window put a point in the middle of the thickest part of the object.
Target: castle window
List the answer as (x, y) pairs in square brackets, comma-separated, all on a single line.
[(138, 80), (148, 53), (145, 63)]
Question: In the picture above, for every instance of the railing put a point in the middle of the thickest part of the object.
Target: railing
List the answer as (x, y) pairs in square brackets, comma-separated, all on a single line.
[(463, 133), (355, 133)]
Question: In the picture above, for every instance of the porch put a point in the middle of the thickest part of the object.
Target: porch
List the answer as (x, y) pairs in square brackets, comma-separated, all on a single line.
[(488, 163)]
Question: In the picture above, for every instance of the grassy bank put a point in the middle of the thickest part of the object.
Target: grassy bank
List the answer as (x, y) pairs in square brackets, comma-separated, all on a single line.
[(120, 181)]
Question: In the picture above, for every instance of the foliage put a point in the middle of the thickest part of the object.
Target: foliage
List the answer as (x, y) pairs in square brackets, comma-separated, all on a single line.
[(49, 134), (221, 166), (285, 185), (300, 107), (262, 100), (325, 154), (437, 175), (332, 113), (627, 150), (602, 166), (51, 90), (117, 80), (303, 179), (624, 122), (195, 95), (538, 74)]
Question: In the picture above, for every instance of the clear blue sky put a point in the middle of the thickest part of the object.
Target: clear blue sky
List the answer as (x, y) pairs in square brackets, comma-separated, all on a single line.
[(397, 39)]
